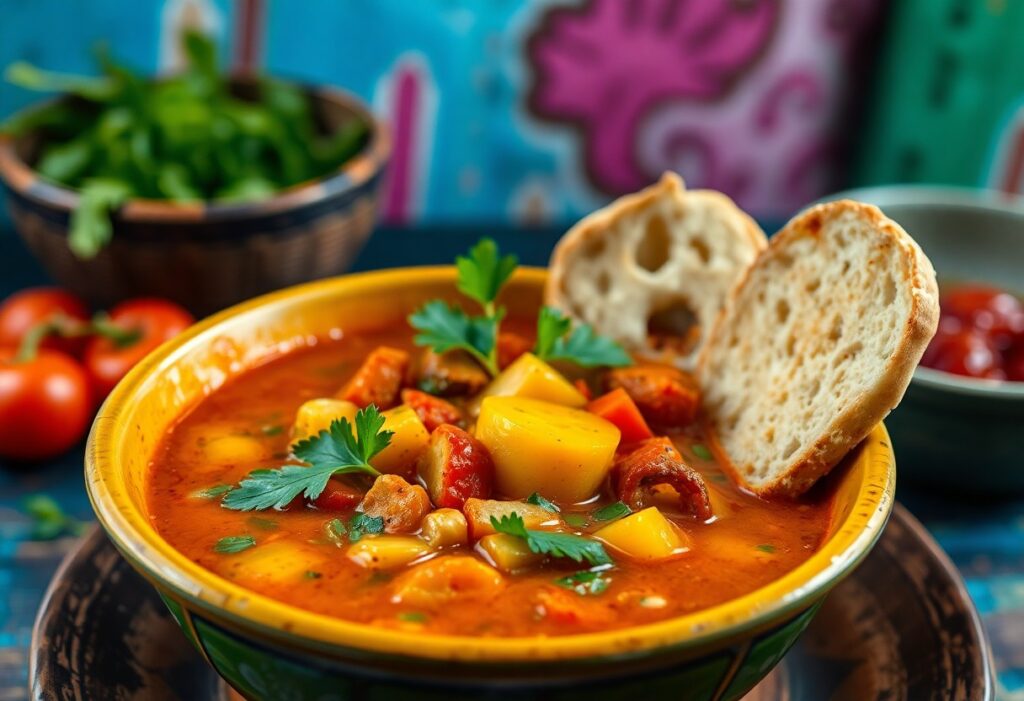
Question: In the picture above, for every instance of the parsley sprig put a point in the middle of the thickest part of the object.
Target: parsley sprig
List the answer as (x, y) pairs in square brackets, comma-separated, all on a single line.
[(481, 275), (574, 547), (336, 451)]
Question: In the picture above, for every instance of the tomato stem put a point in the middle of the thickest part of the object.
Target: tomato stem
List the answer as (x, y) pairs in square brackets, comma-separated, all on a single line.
[(121, 337)]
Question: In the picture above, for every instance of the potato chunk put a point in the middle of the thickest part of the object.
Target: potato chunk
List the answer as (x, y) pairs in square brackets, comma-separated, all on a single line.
[(454, 467), (317, 415), (645, 535), (234, 450), (532, 378), (409, 441), (508, 553), (440, 581), (479, 512), (386, 552), (400, 504), (277, 562), (562, 453), (445, 528), (378, 379)]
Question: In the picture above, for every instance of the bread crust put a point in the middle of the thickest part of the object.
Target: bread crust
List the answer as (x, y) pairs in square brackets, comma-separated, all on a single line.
[(602, 226), (849, 427)]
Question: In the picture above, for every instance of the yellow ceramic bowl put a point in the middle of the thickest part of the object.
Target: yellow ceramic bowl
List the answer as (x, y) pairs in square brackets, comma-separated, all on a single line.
[(266, 648)]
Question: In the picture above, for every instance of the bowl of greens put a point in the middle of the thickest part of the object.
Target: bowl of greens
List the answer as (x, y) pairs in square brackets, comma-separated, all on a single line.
[(198, 187)]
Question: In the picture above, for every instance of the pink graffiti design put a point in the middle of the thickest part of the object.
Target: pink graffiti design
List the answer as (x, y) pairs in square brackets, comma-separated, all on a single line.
[(605, 65)]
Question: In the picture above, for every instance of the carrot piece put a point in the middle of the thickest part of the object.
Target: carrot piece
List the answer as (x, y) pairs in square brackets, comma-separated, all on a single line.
[(511, 346), (378, 379), (619, 408), (433, 411)]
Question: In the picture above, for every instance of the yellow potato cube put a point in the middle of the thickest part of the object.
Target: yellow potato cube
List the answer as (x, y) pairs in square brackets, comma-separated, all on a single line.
[(531, 377), (410, 439), (508, 553), (235, 450), (645, 535), (316, 415), (386, 552), (277, 562), (436, 583), (445, 528), (562, 453)]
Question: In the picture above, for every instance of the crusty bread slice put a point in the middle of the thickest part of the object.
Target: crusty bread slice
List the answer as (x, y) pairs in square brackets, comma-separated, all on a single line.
[(816, 345), (653, 269)]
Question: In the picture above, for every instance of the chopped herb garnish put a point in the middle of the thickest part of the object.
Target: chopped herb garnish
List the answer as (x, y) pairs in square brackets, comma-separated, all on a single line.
[(612, 512), (362, 524), (336, 531), (585, 583), (481, 275), (266, 524), (274, 430), (48, 519), (213, 492), (412, 617), (336, 451), (576, 548), (581, 346), (537, 500), (310, 574), (575, 519), (701, 451), (234, 544), (766, 548)]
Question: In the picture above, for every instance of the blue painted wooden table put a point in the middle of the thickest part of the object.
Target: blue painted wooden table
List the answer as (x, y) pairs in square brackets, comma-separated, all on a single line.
[(984, 538)]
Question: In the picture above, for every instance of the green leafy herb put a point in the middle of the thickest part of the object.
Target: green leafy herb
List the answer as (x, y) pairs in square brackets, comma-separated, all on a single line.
[(766, 547), (574, 547), (575, 519), (311, 574), (48, 520), (585, 582), (701, 451), (537, 500), (336, 531), (580, 346), (265, 524), (234, 544), (612, 512), (483, 273), (335, 451), (274, 430), (217, 490), (444, 327), (184, 138), (362, 524), (412, 617)]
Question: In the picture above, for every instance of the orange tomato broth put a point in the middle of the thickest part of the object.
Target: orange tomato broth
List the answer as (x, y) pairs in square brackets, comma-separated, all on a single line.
[(748, 543)]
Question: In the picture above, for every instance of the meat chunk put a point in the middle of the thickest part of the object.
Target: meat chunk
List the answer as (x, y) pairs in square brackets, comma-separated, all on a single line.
[(451, 374), (400, 504), (455, 467), (666, 396), (479, 512), (656, 461), (378, 379), (510, 347), (433, 411)]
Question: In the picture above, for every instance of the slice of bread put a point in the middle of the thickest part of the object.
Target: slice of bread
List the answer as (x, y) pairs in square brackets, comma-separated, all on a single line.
[(653, 269), (816, 345)]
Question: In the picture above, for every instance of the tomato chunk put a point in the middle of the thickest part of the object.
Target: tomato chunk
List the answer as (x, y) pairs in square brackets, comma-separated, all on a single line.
[(400, 504), (666, 397), (618, 408), (656, 461), (510, 347), (338, 496), (378, 379), (456, 467), (433, 411)]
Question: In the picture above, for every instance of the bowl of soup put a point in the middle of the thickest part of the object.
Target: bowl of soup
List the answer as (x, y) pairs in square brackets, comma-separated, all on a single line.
[(465, 536)]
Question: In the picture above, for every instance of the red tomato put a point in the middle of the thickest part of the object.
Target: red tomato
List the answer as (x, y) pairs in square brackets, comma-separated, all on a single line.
[(28, 308), (987, 309), (153, 320), (968, 352), (45, 405), (338, 496), (1015, 361)]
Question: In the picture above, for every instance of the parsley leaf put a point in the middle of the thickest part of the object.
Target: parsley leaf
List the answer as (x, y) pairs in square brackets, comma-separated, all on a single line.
[(537, 500), (443, 327), (362, 524), (766, 547), (48, 519), (234, 544), (335, 451), (580, 346), (217, 490), (586, 582), (575, 519), (612, 512), (483, 272), (576, 548)]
